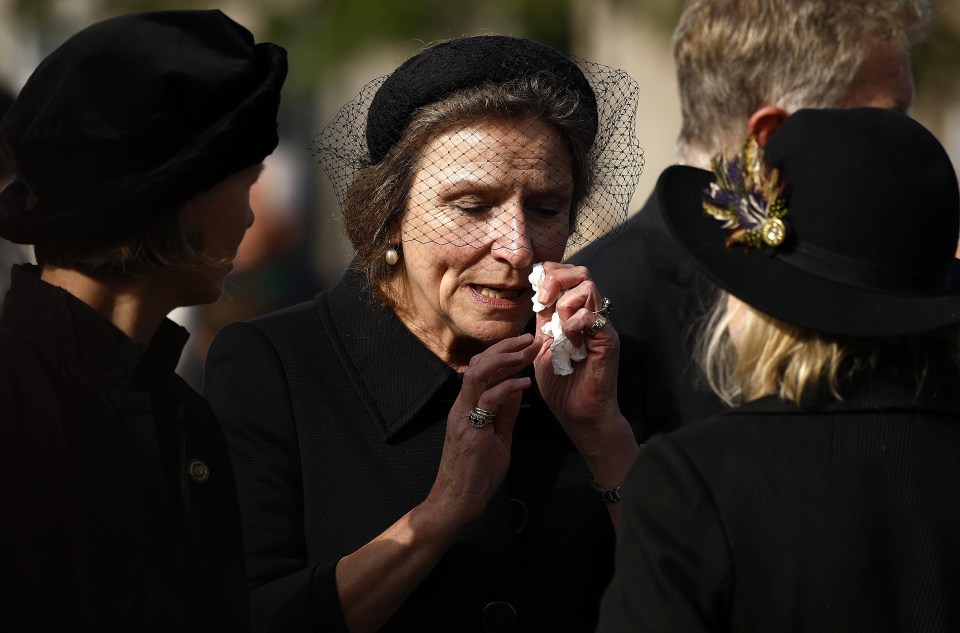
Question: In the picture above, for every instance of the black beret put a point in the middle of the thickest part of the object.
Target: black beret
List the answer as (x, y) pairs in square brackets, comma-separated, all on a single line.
[(439, 70), (131, 117)]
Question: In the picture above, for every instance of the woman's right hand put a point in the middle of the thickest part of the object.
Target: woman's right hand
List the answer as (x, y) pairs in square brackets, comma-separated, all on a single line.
[(474, 462), (375, 580)]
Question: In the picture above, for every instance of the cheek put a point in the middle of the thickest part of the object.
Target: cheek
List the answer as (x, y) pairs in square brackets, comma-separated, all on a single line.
[(425, 266), (456, 252), (550, 251), (553, 253), (453, 260)]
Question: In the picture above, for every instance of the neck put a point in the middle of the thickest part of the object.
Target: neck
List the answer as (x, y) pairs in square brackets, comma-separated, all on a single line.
[(456, 353), (136, 307)]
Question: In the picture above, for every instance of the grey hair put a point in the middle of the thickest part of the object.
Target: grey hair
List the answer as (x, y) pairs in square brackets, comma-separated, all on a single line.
[(735, 56)]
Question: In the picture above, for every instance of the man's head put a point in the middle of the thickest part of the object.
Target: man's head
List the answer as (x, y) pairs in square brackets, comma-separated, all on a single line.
[(744, 65)]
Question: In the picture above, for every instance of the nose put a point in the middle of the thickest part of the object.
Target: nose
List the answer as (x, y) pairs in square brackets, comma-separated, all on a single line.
[(250, 218), (511, 239)]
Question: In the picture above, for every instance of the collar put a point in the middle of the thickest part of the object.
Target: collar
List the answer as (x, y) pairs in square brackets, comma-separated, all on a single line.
[(662, 249), (395, 375), (67, 328)]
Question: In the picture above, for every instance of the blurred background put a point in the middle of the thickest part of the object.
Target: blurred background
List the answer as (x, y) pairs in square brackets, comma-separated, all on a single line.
[(296, 246)]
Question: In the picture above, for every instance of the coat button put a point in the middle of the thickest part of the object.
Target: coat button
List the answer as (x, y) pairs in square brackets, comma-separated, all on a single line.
[(198, 471), (499, 617), (518, 510)]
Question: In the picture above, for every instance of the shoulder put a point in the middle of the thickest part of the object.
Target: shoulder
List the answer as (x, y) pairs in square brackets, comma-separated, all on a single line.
[(291, 349), (332, 313), (26, 376), (738, 427), (33, 398), (281, 332), (293, 321), (770, 441), (665, 467)]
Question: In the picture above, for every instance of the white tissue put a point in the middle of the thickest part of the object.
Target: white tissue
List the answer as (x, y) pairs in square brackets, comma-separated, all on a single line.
[(562, 350), (536, 278)]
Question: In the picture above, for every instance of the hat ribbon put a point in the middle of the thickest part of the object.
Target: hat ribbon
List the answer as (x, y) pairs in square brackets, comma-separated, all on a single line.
[(866, 275)]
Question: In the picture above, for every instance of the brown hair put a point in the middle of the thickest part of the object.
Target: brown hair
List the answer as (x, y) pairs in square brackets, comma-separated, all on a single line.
[(161, 245)]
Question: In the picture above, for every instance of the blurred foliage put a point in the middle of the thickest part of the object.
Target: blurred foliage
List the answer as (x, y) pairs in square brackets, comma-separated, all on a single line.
[(339, 29), (320, 34), (936, 61)]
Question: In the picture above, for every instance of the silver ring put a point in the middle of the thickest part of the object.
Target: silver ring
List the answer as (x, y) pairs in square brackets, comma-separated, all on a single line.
[(479, 418), (597, 325), (604, 310)]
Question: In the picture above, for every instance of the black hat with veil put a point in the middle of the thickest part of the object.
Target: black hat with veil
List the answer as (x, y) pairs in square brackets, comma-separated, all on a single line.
[(487, 79)]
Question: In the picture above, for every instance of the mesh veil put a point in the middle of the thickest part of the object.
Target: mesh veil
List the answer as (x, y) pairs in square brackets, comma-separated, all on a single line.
[(496, 153)]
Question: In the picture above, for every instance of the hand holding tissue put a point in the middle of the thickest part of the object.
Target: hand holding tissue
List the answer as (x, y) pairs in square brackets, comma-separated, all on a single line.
[(562, 349)]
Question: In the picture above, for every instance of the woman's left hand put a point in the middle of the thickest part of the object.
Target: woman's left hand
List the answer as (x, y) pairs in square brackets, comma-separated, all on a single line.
[(589, 394), (585, 402)]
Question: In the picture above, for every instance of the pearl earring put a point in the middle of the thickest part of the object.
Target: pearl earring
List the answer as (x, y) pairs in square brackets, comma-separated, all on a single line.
[(392, 256)]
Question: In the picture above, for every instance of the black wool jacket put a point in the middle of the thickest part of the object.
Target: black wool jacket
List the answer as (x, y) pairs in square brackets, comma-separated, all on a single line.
[(660, 296), (772, 517), (119, 504), (335, 417)]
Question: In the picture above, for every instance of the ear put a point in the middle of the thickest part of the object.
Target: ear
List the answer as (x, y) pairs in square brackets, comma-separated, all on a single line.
[(765, 121), (393, 233)]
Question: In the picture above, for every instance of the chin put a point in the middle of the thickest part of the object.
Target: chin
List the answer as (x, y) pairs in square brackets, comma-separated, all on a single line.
[(200, 293), (491, 332)]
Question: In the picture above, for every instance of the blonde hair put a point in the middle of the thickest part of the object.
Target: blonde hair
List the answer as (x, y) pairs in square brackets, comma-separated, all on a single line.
[(746, 354), (735, 56)]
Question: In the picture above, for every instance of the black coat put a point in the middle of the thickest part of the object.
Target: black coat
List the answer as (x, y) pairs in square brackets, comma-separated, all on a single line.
[(658, 295), (843, 517), (119, 504), (335, 416)]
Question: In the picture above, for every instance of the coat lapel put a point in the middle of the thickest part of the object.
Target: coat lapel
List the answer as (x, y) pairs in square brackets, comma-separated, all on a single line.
[(395, 374)]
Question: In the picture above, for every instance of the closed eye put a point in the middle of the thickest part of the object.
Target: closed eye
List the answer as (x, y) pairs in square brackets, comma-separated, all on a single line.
[(547, 212), (471, 208)]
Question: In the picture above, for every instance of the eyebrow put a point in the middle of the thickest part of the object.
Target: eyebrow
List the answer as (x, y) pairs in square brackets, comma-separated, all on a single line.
[(461, 182)]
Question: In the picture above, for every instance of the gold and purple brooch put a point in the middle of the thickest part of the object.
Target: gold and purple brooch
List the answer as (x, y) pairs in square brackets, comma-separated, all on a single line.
[(747, 196)]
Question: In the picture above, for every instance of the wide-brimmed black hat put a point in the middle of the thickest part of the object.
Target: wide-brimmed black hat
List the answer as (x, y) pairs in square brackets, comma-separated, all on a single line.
[(869, 234), (131, 117)]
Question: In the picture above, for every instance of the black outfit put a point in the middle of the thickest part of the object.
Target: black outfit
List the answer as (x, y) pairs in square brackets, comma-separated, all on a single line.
[(842, 517), (658, 295), (119, 504), (335, 417)]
